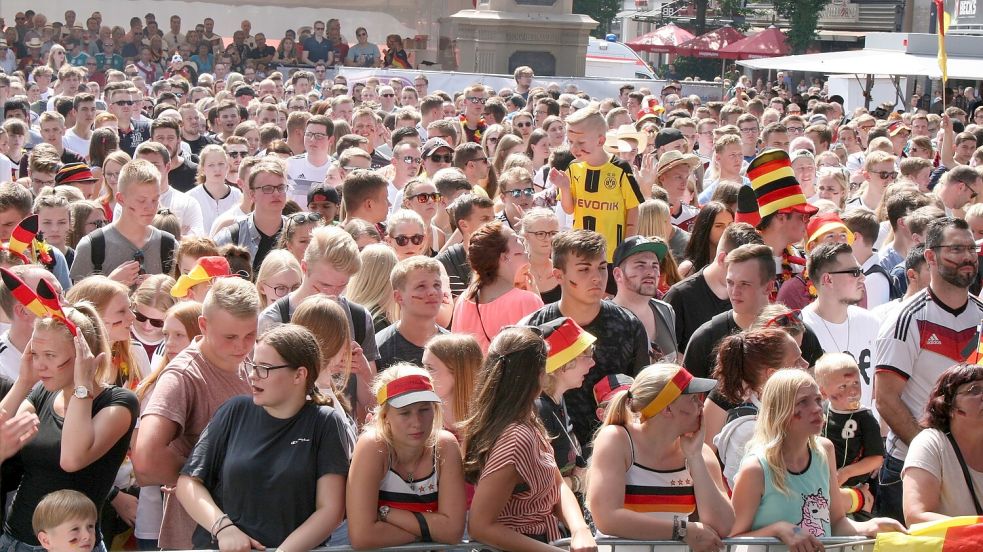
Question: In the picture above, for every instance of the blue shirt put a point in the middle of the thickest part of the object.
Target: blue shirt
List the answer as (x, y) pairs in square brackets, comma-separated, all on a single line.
[(317, 51)]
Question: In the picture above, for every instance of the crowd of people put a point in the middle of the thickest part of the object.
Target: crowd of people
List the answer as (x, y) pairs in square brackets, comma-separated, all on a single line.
[(297, 312)]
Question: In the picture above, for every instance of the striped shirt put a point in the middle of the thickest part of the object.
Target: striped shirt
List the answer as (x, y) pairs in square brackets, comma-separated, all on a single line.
[(414, 496), (530, 510)]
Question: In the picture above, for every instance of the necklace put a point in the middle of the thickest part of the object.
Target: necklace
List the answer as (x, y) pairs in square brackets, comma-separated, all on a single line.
[(831, 336), (410, 478)]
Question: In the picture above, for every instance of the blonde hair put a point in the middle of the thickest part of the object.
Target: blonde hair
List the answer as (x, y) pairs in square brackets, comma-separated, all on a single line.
[(626, 405), (335, 247), (328, 322), (86, 318), (404, 215), (831, 364), (654, 219), (100, 291), (155, 292), (137, 171), (235, 296), (61, 506), (587, 119), (462, 356), (187, 313), (371, 287), (381, 412), (210, 149), (777, 405), (276, 262)]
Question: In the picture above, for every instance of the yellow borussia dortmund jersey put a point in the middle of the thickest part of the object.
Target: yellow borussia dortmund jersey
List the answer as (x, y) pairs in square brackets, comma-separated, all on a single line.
[(602, 197)]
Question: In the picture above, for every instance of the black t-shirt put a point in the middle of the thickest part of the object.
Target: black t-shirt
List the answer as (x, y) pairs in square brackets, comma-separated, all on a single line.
[(262, 470), (855, 435), (701, 353), (138, 134), (621, 348), (455, 261), (262, 52), (182, 178), (555, 419), (266, 244), (41, 459), (69, 156), (695, 304), (394, 348), (199, 144), (551, 296), (10, 471)]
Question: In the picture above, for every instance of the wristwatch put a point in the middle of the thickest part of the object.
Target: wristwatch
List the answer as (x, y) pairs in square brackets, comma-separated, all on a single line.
[(82, 392), (681, 533), (383, 512)]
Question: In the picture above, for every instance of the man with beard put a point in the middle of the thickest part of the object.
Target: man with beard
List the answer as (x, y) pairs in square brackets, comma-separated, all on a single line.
[(932, 330), (637, 265), (835, 318), (183, 172)]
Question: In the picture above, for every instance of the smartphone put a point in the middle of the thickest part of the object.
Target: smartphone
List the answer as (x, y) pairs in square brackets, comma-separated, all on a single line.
[(138, 257)]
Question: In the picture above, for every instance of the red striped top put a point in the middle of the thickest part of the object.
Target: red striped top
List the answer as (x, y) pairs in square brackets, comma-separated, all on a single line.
[(530, 510)]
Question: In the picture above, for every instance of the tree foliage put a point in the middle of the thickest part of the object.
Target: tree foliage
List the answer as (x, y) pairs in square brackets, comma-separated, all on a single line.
[(603, 11), (803, 18)]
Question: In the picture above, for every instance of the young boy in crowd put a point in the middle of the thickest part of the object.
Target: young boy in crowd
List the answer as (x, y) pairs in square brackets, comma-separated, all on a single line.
[(599, 189), (853, 429), (65, 521)]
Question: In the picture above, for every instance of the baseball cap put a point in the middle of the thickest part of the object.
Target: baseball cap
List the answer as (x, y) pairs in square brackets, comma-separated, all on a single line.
[(323, 192), (668, 136), (639, 244), (609, 385), (204, 270), (407, 390), (434, 144)]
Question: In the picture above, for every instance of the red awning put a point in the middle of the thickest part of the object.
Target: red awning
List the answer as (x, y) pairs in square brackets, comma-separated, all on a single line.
[(709, 44), (770, 42), (662, 40)]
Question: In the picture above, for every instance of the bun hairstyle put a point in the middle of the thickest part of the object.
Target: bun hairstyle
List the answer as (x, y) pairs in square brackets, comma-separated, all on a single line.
[(86, 318)]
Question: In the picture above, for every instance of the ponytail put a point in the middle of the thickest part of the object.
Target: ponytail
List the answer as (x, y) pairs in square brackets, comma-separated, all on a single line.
[(619, 409)]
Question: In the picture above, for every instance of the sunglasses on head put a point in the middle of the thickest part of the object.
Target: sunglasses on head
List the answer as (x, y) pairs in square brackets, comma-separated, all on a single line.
[(155, 322), (415, 239), (304, 218), (785, 320)]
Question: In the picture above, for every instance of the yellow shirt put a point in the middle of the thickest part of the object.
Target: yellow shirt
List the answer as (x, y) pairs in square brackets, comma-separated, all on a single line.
[(602, 197)]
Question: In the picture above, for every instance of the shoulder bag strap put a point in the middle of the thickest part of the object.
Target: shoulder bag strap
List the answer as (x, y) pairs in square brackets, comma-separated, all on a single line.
[(965, 468)]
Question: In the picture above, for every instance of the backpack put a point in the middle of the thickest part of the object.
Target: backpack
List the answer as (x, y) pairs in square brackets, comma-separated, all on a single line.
[(97, 240), (895, 291), (358, 316), (733, 438)]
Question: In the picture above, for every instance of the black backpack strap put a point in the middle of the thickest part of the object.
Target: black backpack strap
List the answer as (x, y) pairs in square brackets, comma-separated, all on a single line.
[(167, 245), (97, 250), (283, 305), (894, 291)]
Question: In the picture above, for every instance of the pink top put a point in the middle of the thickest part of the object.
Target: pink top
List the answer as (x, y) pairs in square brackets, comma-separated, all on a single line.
[(486, 320)]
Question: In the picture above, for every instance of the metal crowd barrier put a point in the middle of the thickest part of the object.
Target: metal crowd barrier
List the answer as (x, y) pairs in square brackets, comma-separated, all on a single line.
[(737, 544)]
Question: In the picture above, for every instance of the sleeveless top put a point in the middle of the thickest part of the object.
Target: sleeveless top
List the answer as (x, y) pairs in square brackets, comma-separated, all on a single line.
[(808, 502), (663, 494), (419, 495)]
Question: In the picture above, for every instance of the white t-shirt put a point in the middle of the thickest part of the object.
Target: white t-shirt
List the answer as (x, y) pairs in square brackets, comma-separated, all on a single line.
[(212, 207), (185, 208), (855, 337), (9, 358), (233, 215), (931, 451), (877, 286), (302, 174), (76, 143)]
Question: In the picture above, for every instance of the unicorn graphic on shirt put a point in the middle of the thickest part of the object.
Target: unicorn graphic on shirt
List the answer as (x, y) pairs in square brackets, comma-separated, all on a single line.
[(815, 512)]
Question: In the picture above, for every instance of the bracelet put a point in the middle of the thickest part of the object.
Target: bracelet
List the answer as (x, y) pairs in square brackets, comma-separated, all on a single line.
[(216, 524), (424, 528), (223, 528)]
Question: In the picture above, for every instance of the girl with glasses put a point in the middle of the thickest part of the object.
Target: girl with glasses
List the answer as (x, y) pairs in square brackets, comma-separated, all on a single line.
[(539, 227), (421, 196), (489, 141), (306, 483), (86, 216), (279, 274), (406, 234), (149, 302)]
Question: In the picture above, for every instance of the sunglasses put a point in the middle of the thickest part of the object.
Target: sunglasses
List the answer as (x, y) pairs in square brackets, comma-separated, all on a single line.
[(410, 160), (155, 322), (528, 192), (425, 198), (476, 100), (856, 271), (124, 102), (388, 95), (886, 175), (442, 158), (237, 154), (523, 125), (785, 320), (415, 239)]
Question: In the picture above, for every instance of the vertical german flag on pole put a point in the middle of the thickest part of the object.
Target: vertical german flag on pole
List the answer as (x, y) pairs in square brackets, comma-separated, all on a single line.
[(944, 20), (958, 534)]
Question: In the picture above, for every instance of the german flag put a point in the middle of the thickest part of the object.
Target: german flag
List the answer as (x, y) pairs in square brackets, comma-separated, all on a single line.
[(975, 356), (678, 500), (23, 294), (958, 534), (49, 298)]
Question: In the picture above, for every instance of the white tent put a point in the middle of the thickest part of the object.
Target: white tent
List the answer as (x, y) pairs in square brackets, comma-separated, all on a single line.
[(888, 54)]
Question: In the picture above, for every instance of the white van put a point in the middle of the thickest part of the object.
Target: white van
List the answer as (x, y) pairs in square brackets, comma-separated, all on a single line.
[(615, 59)]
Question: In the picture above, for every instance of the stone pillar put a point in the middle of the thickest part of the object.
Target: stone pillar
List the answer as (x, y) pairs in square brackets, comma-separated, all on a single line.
[(500, 35)]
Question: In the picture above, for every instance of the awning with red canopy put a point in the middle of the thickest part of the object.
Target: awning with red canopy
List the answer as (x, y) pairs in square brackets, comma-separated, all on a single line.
[(770, 42), (709, 45), (663, 40)]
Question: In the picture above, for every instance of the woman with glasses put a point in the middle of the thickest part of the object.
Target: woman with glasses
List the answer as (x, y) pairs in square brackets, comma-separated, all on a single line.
[(406, 234), (302, 470), (745, 361), (279, 274), (371, 287), (498, 258), (213, 193), (420, 196), (395, 56), (651, 471), (86, 216), (539, 227), (296, 233), (56, 59), (489, 141), (943, 475)]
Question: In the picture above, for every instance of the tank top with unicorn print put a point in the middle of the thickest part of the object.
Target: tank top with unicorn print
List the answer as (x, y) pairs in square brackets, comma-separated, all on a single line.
[(808, 502)]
